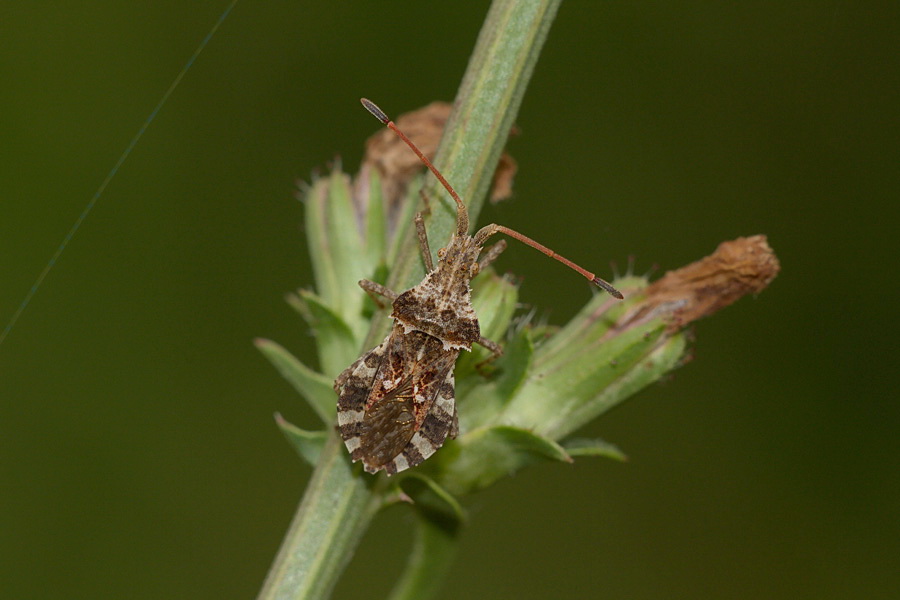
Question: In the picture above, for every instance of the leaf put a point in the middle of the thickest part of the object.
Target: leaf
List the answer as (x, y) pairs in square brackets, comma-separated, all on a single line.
[(526, 442), (376, 220), (315, 388), (337, 344), (596, 447), (516, 361), (308, 444), (339, 255), (316, 200), (345, 244), (433, 501), (335, 243), (487, 454)]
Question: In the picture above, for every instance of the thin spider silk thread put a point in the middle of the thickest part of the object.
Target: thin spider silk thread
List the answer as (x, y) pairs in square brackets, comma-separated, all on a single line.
[(112, 173)]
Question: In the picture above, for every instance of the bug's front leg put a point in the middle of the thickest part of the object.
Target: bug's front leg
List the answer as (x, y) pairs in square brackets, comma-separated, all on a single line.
[(423, 242), (376, 291)]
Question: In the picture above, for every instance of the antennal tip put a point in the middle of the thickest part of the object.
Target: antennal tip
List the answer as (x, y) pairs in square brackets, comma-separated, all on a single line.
[(376, 112), (608, 288)]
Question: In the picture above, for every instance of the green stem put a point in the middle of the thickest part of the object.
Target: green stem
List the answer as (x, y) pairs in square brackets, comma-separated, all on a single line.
[(335, 511)]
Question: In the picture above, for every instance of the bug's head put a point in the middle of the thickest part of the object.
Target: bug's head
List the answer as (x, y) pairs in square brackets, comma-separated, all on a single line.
[(460, 255)]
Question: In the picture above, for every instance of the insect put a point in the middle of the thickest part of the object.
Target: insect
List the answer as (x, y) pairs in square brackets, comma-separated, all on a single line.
[(396, 404)]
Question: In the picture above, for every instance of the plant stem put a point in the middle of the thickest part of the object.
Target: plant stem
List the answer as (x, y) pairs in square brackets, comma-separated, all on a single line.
[(334, 513)]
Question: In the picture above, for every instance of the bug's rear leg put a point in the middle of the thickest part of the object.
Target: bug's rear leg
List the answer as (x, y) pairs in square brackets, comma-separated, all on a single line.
[(496, 352), (376, 292)]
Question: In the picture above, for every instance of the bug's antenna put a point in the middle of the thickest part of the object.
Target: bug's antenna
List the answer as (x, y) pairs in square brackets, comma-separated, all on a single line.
[(462, 214), (489, 230)]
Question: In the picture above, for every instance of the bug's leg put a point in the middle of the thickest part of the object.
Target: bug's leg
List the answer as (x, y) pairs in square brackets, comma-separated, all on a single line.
[(494, 347), (496, 352), (425, 202), (423, 242), (376, 291), (491, 255)]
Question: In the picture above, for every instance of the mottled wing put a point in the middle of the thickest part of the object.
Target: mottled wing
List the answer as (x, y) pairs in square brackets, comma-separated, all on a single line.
[(389, 424), (396, 404), (353, 387), (439, 422)]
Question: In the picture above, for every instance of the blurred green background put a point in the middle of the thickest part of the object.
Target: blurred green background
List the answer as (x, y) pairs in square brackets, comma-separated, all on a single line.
[(139, 456)]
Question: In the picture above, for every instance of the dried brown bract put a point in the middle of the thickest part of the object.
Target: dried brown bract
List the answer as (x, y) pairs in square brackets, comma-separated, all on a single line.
[(746, 265)]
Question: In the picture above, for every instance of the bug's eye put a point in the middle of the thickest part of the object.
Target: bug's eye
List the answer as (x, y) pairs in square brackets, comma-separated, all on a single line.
[(441, 253)]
